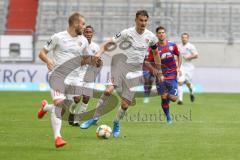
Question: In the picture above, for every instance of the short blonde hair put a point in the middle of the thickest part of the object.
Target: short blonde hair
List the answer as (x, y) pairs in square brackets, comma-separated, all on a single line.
[(74, 17)]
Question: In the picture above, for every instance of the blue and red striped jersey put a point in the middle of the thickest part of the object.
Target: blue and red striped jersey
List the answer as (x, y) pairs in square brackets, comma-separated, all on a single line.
[(168, 62)]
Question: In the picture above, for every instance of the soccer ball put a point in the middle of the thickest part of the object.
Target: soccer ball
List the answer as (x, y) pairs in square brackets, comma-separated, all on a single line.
[(103, 131)]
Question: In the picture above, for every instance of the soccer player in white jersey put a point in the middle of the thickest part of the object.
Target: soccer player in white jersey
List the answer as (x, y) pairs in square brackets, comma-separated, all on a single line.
[(189, 52), (65, 46), (140, 39), (92, 49)]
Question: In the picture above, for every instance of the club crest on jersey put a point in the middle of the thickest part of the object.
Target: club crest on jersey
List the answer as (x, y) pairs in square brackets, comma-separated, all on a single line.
[(118, 35), (171, 48)]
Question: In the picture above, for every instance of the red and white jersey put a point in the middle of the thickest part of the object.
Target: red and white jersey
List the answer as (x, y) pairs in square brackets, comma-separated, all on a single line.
[(187, 49), (66, 47), (139, 43)]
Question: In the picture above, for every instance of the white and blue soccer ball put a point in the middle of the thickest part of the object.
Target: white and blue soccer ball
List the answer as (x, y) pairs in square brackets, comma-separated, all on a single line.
[(104, 131)]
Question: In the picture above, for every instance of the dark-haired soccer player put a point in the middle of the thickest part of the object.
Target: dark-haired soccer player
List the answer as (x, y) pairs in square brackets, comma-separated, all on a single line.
[(140, 39), (168, 88)]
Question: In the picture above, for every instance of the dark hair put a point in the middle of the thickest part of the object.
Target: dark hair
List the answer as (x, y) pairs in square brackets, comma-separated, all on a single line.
[(89, 26), (142, 13), (185, 33), (160, 28), (74, 17)]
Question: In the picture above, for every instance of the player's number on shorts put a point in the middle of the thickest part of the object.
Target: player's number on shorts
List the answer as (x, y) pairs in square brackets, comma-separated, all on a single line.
[(176, 91)]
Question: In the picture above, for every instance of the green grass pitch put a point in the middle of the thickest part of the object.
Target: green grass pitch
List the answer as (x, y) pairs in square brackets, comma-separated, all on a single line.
[(208, 129)]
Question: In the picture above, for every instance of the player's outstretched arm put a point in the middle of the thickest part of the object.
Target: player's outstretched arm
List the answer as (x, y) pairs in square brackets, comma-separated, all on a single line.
[(43, 56), (104, 47)]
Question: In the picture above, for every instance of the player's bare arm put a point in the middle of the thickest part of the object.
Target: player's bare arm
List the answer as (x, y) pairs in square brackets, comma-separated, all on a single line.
[(43, 56), (190, 57), (104, 47), (179, 63)]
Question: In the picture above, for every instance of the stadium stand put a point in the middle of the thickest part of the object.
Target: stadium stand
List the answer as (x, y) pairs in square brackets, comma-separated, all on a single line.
[(21, 18), (3, 15), (214, 23), (201, 19)]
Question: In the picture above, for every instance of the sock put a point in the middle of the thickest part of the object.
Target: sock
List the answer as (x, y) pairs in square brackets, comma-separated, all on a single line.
[(56, 121), (80, 112), (48, 108), (180, 93), (73, 108), (147, 90), (56, 117), (191, 89), (83, 107), (165, 107), (120, 114), (100, 106)]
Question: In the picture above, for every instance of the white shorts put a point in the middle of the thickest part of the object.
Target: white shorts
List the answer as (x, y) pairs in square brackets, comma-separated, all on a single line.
[(186, 76), (55, 94)]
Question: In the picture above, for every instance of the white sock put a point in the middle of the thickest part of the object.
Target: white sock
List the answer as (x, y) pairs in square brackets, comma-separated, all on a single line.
[(100, 106), (83, 107), (180, 93), (56, 121), (48, 108), (80, 110), (120, 114), (73, 107)]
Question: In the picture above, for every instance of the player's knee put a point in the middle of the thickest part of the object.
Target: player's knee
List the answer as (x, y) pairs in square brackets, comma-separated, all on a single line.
[(173, 98), (58, 102), (164, 96), (124, 104), (77, 99), (108, 91), (85, 99), (180, 83)]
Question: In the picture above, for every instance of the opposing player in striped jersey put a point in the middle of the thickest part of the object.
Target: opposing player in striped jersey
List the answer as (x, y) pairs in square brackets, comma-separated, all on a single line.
[(167, 88), (188, 52), (92, 49), (140, 39), (65, 46)]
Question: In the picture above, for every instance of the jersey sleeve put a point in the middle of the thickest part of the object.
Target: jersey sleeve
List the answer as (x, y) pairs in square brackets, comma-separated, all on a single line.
[(121, 36), (51, 43), (149, 57), (176, 50), (193, 50)]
